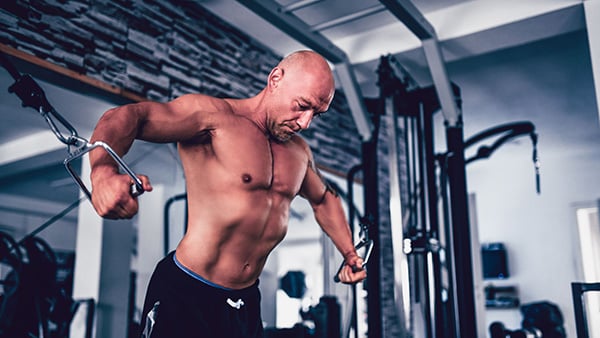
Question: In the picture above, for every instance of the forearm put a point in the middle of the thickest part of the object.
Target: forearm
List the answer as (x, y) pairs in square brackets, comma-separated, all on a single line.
[(330, 216)]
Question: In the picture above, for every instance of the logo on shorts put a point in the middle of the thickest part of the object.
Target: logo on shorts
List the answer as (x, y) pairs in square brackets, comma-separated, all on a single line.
[(236, 305), (150, 321)]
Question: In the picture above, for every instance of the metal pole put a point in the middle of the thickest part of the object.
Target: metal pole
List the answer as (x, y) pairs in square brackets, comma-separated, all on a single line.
[(464, 295), (396, 214), (432, 230), (423, 256), (371, 191), (580, 323), (451, 309)]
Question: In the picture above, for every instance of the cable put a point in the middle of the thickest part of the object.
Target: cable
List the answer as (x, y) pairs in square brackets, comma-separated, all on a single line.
[(53, 219)]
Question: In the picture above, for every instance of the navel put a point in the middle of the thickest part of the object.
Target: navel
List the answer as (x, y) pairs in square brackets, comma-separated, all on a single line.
[(246, 178)]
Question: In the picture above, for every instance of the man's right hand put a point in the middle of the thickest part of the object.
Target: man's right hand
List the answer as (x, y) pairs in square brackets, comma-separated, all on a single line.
[(111, 194)]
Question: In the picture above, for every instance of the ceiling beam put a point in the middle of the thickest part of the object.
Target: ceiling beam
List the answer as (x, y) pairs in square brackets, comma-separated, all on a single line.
[(443, 88), (355, 101), (411, 17), (484, 26), (31, 152), (275, 14), (348, 18), (406, 12)]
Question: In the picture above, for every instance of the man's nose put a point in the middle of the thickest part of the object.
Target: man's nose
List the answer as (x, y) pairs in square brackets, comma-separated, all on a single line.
[(304, 120)]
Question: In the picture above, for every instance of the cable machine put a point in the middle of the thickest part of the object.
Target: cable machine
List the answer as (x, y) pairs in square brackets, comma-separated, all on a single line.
[(414, 108), (436, 229)]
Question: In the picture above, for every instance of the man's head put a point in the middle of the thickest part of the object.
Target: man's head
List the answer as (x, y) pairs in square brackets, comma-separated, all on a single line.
[(299, 88)]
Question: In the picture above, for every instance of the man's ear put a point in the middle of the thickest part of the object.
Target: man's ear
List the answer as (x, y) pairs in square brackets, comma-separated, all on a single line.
[(275, 77)]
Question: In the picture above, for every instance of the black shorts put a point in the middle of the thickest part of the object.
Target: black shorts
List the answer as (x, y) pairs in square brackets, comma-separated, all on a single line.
[(180, 305)]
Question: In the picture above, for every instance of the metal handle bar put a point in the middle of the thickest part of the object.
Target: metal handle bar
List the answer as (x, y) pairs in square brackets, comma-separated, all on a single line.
[(362, 243), (136, 188)]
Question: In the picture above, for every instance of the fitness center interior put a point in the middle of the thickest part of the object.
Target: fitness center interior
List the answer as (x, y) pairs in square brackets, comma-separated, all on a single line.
[(464, 140)]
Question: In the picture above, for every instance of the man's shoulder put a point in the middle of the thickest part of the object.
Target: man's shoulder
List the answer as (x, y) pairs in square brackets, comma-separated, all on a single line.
[(206, 102), (300, 142)]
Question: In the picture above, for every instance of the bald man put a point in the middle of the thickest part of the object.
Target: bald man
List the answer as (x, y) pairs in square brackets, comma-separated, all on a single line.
[(244, 163)]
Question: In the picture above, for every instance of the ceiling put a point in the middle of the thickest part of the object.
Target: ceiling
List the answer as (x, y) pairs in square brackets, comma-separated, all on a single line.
[(463, 28)]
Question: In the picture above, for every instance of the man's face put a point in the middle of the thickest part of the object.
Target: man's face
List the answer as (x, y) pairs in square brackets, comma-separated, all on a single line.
[(299, 99)]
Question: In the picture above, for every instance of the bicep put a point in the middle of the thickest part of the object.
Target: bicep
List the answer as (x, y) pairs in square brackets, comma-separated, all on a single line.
[(315, 186), (178, 120)]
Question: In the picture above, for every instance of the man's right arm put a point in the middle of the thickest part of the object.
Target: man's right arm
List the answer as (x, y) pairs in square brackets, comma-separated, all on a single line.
[(150, 121)]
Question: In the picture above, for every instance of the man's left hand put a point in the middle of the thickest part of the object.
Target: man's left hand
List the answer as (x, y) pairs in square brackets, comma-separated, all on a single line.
[(353, 270)]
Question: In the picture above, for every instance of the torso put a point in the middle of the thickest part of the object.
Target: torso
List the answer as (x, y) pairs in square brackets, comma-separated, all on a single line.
[(240, 185)]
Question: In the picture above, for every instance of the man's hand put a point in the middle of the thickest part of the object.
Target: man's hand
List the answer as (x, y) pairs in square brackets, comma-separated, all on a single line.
[(111, 194), (353, 270)]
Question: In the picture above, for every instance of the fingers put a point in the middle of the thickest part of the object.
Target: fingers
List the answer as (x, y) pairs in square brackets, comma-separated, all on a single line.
[(145, 185), (112, 197), (145, 182), (353, 271)]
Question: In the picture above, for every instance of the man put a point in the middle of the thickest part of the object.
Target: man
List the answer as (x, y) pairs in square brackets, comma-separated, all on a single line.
[(243, 165)]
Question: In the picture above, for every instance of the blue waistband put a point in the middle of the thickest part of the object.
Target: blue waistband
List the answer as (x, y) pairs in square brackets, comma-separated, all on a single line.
[(197, 276)]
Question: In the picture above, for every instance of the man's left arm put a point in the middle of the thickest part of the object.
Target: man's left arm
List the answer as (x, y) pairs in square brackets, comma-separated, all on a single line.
[(329, 213)]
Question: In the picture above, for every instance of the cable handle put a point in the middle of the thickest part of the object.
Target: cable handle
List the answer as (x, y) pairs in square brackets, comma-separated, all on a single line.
[(32, 95), (369, 248), (136, 188)]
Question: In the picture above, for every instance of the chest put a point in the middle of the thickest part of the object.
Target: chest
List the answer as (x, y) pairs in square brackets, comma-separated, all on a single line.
[(252, 161)]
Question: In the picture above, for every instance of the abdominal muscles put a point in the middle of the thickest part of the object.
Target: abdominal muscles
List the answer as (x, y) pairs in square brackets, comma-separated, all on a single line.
[(229, 236)]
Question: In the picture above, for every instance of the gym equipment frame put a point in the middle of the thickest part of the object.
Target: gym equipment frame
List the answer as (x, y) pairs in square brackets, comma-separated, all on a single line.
[(578, 290)]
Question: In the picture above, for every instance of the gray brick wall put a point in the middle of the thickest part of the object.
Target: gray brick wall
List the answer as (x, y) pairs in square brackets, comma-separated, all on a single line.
[(163, 49)]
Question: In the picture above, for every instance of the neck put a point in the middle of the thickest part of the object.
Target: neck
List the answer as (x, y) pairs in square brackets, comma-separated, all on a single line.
[(252, 109)]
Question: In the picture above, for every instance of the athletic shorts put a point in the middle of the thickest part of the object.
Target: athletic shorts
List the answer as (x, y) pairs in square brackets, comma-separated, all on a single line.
[(181, 304)]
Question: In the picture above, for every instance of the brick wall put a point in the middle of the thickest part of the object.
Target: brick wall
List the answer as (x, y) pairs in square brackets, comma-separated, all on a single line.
[(163, 49)]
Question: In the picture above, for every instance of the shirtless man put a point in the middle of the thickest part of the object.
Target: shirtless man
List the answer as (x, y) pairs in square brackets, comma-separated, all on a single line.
[(243, 165)]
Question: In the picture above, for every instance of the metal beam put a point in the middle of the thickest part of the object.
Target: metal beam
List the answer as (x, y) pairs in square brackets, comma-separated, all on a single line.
[(355, 101), (299, 5), (274, 13), (348, 18), (418, 24), (277, 15), (442, 84), (411, 17)]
